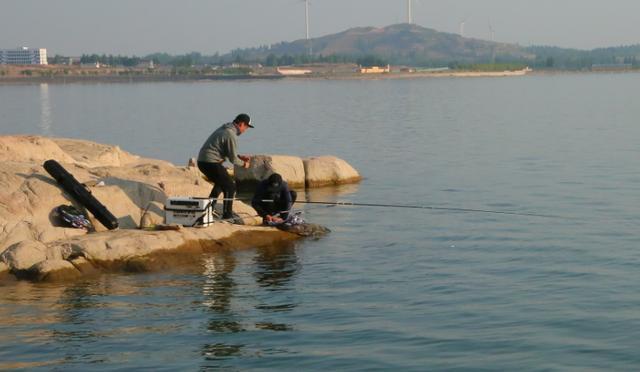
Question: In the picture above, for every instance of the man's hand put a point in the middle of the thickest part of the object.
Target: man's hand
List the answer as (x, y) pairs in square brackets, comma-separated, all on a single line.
[(273, 219), (246, 159)]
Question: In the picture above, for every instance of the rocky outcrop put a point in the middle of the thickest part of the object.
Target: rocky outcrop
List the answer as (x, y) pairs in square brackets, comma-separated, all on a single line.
[(290, 168), (31, 149), (34, 244), (23, 255), (329, 170), (312, 172), (92, 154)]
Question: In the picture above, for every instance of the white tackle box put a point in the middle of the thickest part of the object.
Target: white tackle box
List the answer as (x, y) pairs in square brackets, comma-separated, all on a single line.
[(189, 211)]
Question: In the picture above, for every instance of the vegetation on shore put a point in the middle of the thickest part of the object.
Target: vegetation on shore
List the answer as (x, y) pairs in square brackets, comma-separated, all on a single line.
[(405, 47)]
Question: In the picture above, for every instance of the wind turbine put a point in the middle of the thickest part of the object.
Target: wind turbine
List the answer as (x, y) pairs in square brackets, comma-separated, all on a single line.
[(306, 24), (493, 47), (306, 17), (462, 27), (410, 5), (491, 32)]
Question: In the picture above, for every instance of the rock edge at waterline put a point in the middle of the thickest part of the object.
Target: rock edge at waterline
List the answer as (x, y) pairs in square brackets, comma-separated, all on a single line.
[(34, 246)]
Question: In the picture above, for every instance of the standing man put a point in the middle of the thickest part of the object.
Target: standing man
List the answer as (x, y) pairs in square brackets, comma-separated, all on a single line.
[(221, 145), (273, 199)]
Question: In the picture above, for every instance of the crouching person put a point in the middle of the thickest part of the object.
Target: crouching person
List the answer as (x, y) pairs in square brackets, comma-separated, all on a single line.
[(273, 199)]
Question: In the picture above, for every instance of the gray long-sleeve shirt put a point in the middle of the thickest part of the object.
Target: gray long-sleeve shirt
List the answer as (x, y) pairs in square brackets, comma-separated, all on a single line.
[(221, 144)]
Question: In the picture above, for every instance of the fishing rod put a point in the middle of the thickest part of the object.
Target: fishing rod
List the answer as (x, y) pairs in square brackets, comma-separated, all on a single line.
[(341, 203), (428, 207)]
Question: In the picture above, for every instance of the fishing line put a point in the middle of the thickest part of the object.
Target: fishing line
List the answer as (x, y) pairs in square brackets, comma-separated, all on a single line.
[(450, 209), (427, 207)]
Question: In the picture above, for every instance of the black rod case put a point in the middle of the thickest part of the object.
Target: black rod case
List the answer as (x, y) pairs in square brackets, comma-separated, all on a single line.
[(80, 193)]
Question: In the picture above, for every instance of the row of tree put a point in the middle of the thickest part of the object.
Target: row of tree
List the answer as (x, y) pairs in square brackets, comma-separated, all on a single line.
[(572, 59), (545, 58)]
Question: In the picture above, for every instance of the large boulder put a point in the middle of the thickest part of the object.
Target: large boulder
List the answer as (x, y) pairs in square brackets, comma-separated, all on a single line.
[(54, 270), (93, 154), (329, 170), (23, 255), (290, 168), (31, 149)]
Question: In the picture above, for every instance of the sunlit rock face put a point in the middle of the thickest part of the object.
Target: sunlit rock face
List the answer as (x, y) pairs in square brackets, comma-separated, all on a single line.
[(299, 173), (35, 245), (329, 170), (290, 168)]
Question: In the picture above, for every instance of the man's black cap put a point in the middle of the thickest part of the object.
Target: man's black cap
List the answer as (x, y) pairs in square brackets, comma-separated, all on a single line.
[(275, 180), (243, 118)]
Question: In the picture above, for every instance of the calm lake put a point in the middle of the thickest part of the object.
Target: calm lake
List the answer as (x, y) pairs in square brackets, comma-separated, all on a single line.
[(388, 289)]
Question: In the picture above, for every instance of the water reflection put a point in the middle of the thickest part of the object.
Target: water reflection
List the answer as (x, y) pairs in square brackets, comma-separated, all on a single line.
[(237, 305), (217, 290), (221, 351), (275, 266), (45, 110), (328, 194), (218, 282), (241, 296)]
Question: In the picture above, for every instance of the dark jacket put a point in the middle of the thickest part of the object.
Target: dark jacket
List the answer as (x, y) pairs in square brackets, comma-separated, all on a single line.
[(279, 198)]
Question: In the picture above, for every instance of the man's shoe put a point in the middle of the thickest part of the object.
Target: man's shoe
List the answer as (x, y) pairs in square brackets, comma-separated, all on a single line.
[(233, 218)]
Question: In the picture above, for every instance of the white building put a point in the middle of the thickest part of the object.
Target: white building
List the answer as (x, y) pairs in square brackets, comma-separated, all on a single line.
[(23, 56)]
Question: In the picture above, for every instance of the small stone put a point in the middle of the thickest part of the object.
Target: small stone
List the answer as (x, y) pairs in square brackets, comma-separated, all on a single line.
[(150, 219)]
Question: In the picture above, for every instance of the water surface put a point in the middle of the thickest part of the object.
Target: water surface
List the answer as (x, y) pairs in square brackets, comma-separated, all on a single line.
[(389, 289)]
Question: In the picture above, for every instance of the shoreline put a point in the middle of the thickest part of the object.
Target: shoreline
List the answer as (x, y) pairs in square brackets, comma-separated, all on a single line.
[(92, 79)]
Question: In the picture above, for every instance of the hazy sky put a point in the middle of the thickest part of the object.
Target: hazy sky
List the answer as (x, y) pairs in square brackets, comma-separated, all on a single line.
[(73, 27)]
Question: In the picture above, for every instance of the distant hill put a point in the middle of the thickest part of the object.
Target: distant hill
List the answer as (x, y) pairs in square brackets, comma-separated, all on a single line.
[(413, 45), (399, 44)]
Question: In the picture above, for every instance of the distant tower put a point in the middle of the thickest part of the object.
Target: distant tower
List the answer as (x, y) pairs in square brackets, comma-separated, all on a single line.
[(491, 32), (306, 17), (493, 46), (306, 23), (409, 14), (462, 27)]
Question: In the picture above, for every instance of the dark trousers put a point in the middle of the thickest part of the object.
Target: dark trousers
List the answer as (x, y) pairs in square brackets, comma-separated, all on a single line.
[(222, 182)]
